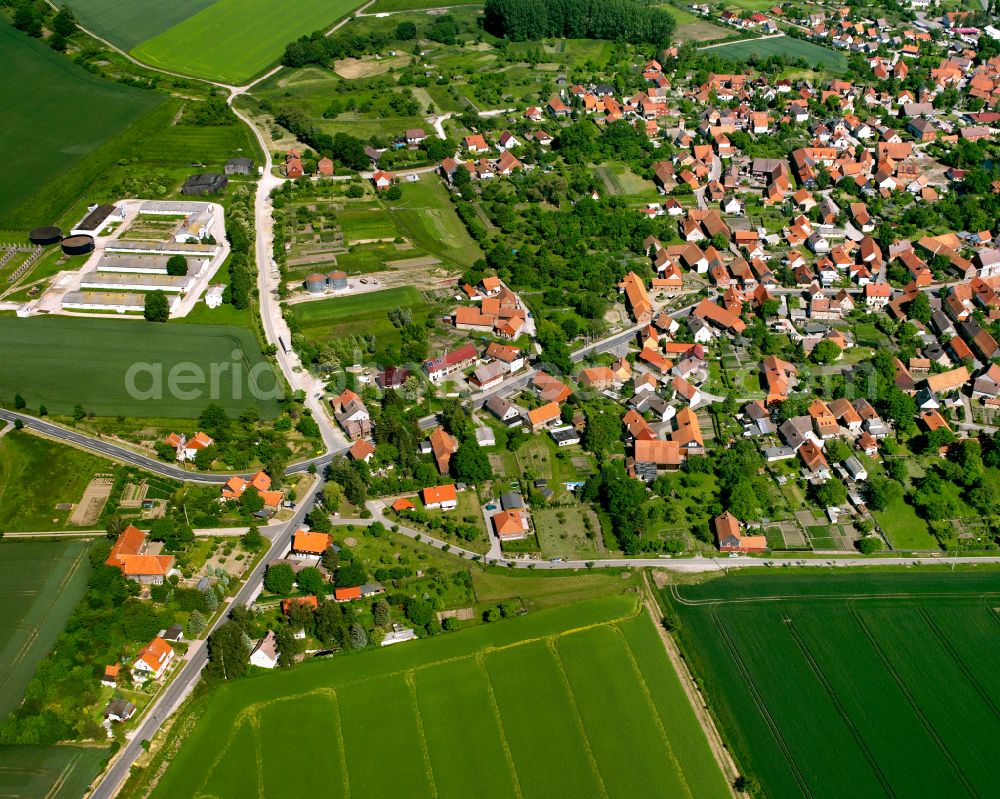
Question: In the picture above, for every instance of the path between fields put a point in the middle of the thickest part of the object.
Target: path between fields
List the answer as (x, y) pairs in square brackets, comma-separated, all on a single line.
[(740, 41), (698, 703)]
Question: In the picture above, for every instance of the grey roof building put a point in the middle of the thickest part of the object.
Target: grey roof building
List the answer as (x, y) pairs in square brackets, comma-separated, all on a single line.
[(239, 166), (204, 183)]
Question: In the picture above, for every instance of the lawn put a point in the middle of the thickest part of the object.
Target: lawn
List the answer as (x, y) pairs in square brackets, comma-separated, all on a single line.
[(128, 24), (455, 716), (55, 113), (232, 41), (133, 368), (544, 591), (881, 659), (562, 532), (787, 46), (620, 181), (36, 475), (358, 314), (904, 529), (366, 222), (53, 772), (427, 217), (42, 582)]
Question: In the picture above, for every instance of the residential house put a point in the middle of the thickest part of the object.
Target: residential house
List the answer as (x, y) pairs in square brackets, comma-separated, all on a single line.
[(731, 539), (153, 660), (443, 446), (129, 555), (444, 497), (264, 655), (541, 417), (352, 414), (306, 544)]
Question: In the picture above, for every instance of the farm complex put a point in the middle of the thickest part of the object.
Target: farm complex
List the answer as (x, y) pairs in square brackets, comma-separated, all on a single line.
[(523, 398)]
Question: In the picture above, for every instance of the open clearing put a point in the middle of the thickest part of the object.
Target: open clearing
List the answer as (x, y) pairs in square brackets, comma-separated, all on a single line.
[(427, 217), (234, 40), (339, 317), (815, 54), (63, 361), (62, 110), (128, 24), (896, 669), (518, 708), (36, 476), (40, 584), (52, 772)]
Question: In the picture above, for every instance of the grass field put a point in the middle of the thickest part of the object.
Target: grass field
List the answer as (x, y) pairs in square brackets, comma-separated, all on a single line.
[(153, 152), (128, 24), (63, 361), (406, 5), (893, 667), (56, 113), (904, 528), (52, 772), (40, 584), (815, 54), (426, 216), (518, 708), (37, 474), (233, 40), (339, 317)]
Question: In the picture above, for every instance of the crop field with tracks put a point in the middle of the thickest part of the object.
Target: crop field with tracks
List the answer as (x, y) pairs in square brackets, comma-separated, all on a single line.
[(578, 700), (829, 685), (124, 367)]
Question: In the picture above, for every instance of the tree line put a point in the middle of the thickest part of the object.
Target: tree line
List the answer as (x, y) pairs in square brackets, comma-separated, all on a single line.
[(617, 20)]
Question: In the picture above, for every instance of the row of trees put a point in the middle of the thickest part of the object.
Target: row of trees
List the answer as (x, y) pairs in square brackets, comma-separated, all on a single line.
[(617, 20)]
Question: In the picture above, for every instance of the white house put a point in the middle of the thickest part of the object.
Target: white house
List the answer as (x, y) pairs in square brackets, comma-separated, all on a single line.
[(153, 660), (265, 653)]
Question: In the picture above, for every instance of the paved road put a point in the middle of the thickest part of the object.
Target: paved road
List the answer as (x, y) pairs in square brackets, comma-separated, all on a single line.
[(190, 670)]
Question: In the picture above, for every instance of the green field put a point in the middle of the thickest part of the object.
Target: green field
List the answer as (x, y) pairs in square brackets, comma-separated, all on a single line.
[(233, 40), (40, 584), (128, 24), (52, 772), (815, 54), (518, 708), (55, 113), (850, 683), (37, 474), (60, 362), (904, 528), (426, 216), (339, 317)]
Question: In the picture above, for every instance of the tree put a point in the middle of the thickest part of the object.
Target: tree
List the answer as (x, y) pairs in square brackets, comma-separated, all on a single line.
[(177, 265), (287, 646), (471, 464), (831, 493), (825, 352), (64, 23), (251, 501), (228, 654), (205, 457), (319, 520), (381, 613), (19, 402), (252, 540), (870, 544), (406, 31), (279, 578), (25, 20), (165, 452), (419, 611), (311, 581), (920, 308), (358, 636), (156, 307), (78, 412), (196, 624), (602, 431)]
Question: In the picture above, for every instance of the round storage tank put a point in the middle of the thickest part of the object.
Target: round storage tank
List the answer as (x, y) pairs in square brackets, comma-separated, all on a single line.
[(337, 280), (315, 284), (50, 234), (78, 245)]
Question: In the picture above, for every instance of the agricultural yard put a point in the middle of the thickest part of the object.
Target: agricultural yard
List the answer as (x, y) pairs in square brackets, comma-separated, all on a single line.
[(60, 362), (891, 664), (357, 315), (455, 716), (816, 54), (128, 24), (53, 772), (232, 41), (42, 582), (63, 111)]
